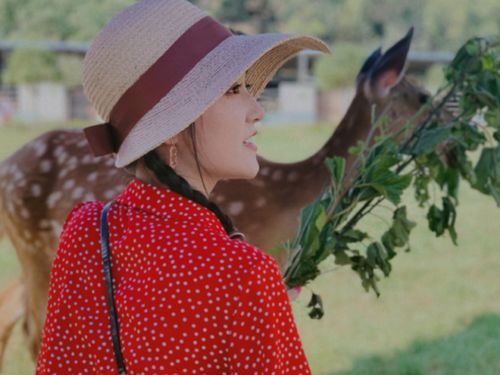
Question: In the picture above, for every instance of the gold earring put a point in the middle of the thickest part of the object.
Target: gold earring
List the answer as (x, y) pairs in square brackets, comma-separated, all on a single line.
[(173, 156)]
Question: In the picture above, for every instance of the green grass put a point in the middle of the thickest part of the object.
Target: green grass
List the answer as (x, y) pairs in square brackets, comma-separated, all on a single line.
[(13, 135), (439, 311), (292, 143), (472, 350)]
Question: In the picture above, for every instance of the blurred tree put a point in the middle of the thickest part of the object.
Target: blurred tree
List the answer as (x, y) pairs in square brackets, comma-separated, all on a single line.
[(340, 68), (34, 65), (389, 18), (263, 14), (439, 24), (358, 21), (59, 20), (8, 12), (347, 22), (233, 11), (312, 17), (463, 19), (31, 66), (260, 13)]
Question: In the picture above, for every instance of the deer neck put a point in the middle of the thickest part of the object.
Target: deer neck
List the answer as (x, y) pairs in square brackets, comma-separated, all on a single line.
[(306, 178)]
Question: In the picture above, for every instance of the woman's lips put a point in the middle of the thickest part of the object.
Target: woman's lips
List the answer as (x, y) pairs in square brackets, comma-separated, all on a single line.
[(250, 145)]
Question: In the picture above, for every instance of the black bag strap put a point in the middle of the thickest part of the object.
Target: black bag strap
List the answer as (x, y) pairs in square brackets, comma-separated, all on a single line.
[(106, 263)]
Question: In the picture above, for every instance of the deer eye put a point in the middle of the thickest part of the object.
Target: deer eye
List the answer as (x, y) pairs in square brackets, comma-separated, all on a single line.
[(423, 98)]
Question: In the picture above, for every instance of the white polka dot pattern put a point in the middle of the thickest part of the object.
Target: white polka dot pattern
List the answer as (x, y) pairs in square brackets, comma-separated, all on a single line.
[(189, 299)]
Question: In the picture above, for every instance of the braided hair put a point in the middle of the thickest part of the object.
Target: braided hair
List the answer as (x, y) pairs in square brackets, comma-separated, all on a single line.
[(169, 178)]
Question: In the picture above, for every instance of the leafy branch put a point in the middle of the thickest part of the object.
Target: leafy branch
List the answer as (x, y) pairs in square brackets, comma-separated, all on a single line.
[(437, 152)]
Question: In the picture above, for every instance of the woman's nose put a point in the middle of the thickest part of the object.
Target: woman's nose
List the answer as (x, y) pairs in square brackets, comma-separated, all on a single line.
[(257, 112)]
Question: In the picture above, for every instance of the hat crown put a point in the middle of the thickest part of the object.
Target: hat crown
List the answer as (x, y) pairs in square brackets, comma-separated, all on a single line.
[(129, 44)]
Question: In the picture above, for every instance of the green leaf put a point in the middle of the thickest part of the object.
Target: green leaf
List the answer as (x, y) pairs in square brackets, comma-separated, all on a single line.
[(377, 257), (391, 185), (436, 220), (382, 157), (472, 48), (316, 305), (468, 135), (356, 150), (449, 209), (429, 139), (399, 233), (336, 167), (306, 216), (341, 258), (354, 235), (443, 219), (378, 179), (492, 117), (457, 158), (487, 172), (488, 62), (321, 218), (449, 178), (421, 185)]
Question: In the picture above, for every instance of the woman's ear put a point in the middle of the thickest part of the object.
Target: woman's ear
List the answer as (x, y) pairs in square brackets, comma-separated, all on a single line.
[(171, 141)]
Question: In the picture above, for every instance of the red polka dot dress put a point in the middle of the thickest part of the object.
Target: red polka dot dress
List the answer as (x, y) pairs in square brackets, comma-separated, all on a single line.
[(189, 299)]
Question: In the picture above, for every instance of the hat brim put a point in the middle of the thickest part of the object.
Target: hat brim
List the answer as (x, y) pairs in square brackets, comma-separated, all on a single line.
[(259, 55)]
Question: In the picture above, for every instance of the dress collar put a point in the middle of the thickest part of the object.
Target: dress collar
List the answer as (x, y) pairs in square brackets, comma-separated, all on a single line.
[(162, 201)]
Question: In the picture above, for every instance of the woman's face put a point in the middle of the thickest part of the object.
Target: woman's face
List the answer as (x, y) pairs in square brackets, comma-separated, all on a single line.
[(220, 134)]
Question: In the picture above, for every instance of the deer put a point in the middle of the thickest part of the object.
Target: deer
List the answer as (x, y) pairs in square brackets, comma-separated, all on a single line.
[(46, 177)]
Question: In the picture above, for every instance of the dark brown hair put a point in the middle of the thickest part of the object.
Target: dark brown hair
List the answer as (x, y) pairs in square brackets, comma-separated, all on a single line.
[(169, 178)]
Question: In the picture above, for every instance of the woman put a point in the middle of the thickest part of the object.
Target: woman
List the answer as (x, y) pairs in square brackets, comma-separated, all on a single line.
[(178, 92)]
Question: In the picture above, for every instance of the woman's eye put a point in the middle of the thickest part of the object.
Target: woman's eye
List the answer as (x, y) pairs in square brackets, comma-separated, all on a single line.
[(234, 89), (237, 88)]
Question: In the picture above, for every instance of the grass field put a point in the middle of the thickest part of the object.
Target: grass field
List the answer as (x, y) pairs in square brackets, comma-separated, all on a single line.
[(439, 311)]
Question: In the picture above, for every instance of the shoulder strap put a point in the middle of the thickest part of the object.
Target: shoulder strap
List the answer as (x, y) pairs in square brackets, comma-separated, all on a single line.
[(106, 263)]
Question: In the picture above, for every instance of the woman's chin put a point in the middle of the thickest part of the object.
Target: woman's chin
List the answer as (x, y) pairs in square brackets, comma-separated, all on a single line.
[(255, 170), (244, 171), (250, 172)]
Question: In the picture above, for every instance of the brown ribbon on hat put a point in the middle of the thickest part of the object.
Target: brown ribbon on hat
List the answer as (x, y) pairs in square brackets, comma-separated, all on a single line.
[(155, 83)]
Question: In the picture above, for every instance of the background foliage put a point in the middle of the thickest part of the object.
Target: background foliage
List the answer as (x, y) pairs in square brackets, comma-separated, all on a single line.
[(345, 24)]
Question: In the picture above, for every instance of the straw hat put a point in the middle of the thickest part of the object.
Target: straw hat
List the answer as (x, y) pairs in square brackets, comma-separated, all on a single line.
[(159, 64)]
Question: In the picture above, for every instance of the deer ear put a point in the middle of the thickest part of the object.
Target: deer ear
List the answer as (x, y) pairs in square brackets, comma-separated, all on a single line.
[(368, 64), (389, 69)]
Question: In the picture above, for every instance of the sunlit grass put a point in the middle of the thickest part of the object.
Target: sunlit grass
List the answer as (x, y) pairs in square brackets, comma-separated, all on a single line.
[(291, 143)]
